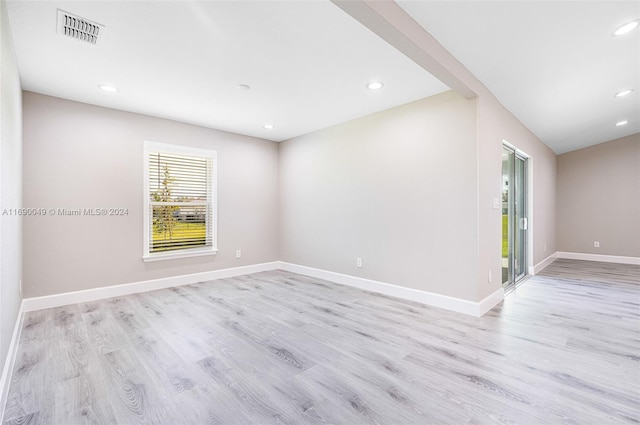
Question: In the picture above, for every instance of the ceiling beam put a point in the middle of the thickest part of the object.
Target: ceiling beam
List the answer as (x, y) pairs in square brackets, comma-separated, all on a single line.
[(391, 23)]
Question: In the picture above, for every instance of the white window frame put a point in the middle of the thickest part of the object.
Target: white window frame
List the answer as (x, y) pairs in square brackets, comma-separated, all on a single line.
[(150, 146)]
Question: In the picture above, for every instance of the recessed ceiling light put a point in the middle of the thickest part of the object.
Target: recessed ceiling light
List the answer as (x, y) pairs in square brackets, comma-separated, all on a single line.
[(624, 93), (375, 85), (269, 126), (621, 123), (108, 88), (626, 28), (243, 87)]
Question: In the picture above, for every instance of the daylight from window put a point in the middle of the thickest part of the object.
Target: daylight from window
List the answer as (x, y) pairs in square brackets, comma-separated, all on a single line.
[(179, 192)]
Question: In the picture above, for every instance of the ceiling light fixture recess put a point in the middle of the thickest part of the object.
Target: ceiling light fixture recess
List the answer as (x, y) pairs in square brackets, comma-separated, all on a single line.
[(621, 123), (375, 85), (108, 88), (269, 126), (627, 28), (624, 93)]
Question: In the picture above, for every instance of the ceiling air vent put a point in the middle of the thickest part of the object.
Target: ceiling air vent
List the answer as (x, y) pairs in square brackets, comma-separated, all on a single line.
[(81, 29)]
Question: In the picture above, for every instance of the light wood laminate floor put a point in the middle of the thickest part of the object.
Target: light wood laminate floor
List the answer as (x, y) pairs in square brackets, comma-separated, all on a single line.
[(281, 348)]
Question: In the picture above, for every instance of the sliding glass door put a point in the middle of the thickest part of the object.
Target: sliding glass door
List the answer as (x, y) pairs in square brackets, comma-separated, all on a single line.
[(514, 217)]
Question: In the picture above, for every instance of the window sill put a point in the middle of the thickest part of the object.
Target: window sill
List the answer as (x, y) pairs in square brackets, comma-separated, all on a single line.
[(176, 255)]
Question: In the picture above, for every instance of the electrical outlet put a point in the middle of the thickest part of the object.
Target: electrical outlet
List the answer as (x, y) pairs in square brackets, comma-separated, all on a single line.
[(596, 244), (20, 288), (545, 247), (358, 261), (496, 203), (238, 253), (490, 278)]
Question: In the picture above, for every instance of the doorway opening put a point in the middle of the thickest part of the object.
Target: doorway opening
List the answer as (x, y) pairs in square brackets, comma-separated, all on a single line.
[(514, 217)]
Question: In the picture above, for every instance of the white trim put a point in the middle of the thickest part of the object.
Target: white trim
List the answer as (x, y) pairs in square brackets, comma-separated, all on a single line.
[(10, 362), (542, 264), (515, 148), (57, 300), (183, 253), (598, 257), (430, 298), (490, 301), (437, 300)]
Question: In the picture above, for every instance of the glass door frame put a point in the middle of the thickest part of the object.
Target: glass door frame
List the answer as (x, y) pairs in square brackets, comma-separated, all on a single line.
[(517, 188)]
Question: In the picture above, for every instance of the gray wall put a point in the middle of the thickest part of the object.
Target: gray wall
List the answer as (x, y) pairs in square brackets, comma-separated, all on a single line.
[(397, 188), (599, 198), (82, 156), (410, 191), (10, 185), (495, 124)]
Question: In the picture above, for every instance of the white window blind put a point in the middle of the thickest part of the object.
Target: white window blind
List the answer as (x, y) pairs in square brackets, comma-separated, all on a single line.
[(180, 204)]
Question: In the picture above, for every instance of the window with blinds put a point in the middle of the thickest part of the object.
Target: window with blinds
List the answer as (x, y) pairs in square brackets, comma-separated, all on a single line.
[(180, 201)]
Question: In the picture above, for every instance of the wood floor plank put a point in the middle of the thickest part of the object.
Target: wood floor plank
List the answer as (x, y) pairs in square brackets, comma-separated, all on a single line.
[(281, 348)]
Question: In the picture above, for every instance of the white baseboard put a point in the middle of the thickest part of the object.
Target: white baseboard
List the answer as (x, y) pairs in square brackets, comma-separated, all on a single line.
[(542, 264), (10, 362), (437, 300), (430, 298), (490, 301), (38, 303), (598, 257), (57, 300)]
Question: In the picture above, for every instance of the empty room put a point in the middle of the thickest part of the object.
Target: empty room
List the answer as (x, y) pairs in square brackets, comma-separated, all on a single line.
[(319, 212)]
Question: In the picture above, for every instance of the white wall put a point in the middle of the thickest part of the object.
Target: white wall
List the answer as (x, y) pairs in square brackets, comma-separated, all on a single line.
[(397, 188), (599, 199), (10, 185), (82, 156)]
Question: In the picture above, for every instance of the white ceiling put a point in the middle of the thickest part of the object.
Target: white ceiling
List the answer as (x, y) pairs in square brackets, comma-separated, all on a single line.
[(553, 64), (307, 63)]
